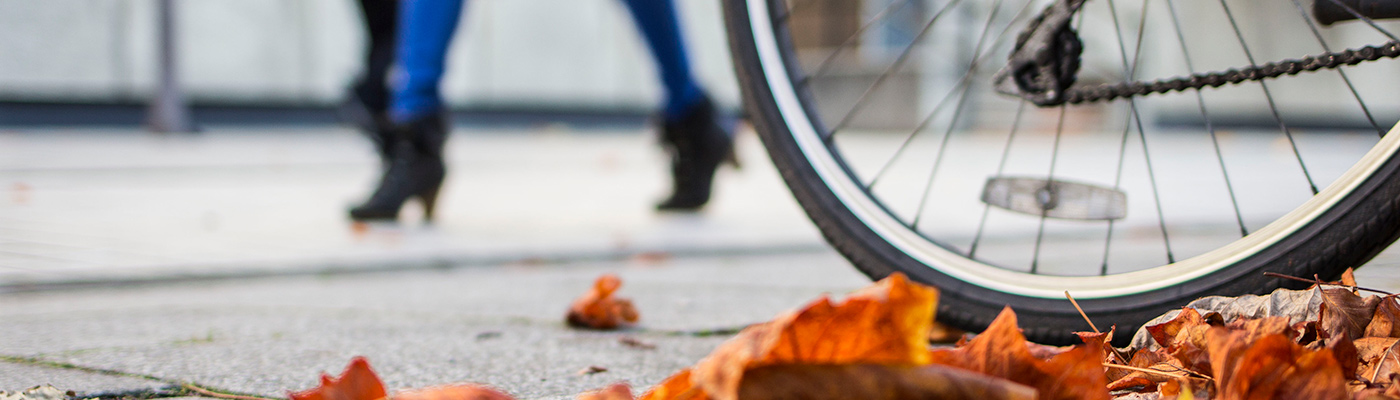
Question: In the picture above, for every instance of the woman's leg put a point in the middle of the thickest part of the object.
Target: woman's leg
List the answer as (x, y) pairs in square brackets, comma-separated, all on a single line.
[(418, 122), (381, 19), (659, 25), (693, 131), (427, 31)]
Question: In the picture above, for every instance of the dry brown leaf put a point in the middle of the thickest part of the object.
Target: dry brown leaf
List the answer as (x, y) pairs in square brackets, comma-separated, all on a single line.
[(358, 382), (1377, 353), (876, 382), (1348, 278), (1165, 333), (452, 392), (616, 391), (1344, 313), (676, 387), (1271, 367), (599, 309), (1001, 351), (940, 333), (886, 323), (1157, 360), (1386, 321)]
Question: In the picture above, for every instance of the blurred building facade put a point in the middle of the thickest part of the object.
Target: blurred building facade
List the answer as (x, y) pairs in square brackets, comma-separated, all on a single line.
[(571, 54)]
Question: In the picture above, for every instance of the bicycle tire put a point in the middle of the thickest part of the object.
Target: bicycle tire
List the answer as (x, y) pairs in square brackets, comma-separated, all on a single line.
[(1361, 218)]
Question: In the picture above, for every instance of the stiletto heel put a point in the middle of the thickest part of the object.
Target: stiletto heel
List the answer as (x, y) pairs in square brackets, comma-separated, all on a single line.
[(697, 142), (415, 169), (429, 199)]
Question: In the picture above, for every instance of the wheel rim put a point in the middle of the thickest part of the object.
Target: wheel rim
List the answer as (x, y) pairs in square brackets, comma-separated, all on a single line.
[(838, 176)]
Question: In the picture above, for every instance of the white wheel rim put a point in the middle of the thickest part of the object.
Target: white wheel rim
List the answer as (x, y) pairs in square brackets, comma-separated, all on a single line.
[(981, 274)]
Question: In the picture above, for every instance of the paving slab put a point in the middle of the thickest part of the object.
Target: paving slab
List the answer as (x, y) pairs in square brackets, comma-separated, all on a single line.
[(500, 325), (85, 206), (19, 376)]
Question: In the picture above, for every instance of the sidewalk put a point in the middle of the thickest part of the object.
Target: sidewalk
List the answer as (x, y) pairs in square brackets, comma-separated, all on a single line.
[(85, 206)]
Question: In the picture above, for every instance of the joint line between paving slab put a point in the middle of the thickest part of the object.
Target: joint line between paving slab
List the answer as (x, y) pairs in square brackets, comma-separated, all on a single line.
[(181, 389)]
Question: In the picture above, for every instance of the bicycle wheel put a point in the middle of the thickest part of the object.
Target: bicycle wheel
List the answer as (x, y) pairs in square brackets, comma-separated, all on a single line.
[(885, 122)]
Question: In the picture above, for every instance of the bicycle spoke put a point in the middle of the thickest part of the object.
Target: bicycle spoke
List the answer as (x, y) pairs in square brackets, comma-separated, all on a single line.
[(826, 63), (1210, 127), (1001, 167), (1317, 34), (962, 84), (898, 62), (957, 112), (1050, 178), (1135, 119), (1273, 108)]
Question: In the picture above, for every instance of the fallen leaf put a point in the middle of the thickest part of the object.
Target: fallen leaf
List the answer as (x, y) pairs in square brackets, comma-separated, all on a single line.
[(1348, 277), (676, 387), (1001, 351), (1378, 358), (876, 382), (1271, 367), (44, 392), (616, 391), (1157, 360), (592, 369), (940, 333), (886, 323), (1386, 320), (358, 382), (599, 309), (635, 343), (1344, 313), (452, 392), (1296, 305)]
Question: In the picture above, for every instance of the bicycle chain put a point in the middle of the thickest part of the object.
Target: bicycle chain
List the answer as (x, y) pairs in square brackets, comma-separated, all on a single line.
[(1330, 60)]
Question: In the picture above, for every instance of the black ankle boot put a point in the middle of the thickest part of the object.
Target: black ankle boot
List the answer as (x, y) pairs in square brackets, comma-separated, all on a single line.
[(415, 170), (365, 109), (697, 142)]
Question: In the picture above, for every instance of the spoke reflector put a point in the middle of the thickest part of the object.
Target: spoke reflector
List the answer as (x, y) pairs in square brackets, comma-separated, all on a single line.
[(1055, 198)]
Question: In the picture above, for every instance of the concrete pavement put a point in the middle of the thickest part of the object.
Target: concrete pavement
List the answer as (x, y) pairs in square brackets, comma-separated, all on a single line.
[(114, 246), (85, 206), (500, 325)]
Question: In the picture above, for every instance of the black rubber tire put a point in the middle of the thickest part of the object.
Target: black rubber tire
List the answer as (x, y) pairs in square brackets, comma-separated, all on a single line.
[(1347, 235)]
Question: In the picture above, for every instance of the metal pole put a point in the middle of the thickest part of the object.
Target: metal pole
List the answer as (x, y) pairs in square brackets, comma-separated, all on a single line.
[(168, 111)]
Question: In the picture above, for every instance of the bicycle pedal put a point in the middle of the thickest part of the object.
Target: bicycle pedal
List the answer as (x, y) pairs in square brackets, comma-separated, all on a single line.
[(1055, 198)]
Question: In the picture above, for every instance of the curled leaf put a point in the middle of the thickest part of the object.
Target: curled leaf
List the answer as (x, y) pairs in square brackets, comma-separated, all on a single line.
[(599, 309), (876, 382), (676, 387), (1386, 321), (1344, 313), (452, 392), (1272, 367), (616, 391), (887, 323), (358, 382), (1001, 351)]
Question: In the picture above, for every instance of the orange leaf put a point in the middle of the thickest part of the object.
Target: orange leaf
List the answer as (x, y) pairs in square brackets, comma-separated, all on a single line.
[(452, 392), (676, 387), (886, 323), (598, 309), (1375, 353), (616, 391), (876, 382), (1165, 333), (1386, 321), (1271, 367), (358, 382), (1149, 359), (1001, 351)]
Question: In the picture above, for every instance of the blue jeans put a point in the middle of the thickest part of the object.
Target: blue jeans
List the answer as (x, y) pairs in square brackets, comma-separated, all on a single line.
[(426, 28)]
